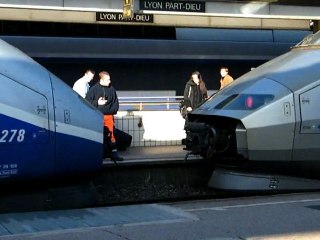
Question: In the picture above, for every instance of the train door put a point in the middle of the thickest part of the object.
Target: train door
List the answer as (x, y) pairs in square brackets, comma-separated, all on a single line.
[(24, 132), (307, 137)]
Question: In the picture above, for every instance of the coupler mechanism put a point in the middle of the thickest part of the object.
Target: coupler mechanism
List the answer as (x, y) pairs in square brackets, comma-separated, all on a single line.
[(200, 139)]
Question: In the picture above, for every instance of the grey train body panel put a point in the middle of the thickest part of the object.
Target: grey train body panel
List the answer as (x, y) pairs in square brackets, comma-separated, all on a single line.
[(266, 120)]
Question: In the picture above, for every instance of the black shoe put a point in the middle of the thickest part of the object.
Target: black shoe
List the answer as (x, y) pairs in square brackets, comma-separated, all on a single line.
[(115, 157)]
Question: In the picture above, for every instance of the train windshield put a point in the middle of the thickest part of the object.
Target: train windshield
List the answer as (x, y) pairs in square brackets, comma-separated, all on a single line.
[(245, 101), (312, 39)]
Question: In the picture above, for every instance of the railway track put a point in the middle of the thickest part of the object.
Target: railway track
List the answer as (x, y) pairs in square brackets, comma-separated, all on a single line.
[(113, 185), (117, 185)]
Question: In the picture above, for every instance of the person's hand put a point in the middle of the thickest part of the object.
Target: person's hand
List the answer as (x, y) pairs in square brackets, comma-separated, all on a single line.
[(102, 101), (189, 109)]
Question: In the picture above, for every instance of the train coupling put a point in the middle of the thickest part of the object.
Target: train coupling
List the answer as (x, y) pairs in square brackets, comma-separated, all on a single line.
[(200, 137)]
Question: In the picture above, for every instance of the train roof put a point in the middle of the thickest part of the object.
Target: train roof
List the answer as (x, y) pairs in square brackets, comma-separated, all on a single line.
[(16, 65), (310, 40), (295, 69)]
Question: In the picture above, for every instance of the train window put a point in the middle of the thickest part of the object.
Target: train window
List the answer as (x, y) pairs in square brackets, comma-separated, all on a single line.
[(226, 101), (249, 102), (245, 101)]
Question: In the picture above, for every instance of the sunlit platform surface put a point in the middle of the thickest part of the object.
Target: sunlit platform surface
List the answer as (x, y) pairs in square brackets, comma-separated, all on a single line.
[(276, 217), (32, 222), (153, 155)]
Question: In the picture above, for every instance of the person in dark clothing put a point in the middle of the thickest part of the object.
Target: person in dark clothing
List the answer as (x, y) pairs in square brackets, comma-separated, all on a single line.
[(195, 91), (104, 97), (203, 88)]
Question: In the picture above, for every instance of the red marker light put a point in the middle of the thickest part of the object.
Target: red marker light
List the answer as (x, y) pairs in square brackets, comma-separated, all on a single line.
[(249, 102)]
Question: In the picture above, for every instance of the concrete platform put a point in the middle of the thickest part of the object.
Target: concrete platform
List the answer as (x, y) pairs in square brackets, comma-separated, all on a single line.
[(277, 217), (153, 155)]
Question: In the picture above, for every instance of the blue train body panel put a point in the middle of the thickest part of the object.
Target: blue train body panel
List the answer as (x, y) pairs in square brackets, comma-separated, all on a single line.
[(46, 129), (26, 150), (77, 155), (15, 132)]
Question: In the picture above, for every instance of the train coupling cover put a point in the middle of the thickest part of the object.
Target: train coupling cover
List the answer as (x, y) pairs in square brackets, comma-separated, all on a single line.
[(197, 139)]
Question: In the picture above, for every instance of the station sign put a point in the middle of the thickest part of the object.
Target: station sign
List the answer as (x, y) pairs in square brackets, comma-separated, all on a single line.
[(118, 17), (176, 6)]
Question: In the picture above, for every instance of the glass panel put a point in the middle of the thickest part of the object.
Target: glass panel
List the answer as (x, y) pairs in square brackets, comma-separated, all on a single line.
[(245, 101)]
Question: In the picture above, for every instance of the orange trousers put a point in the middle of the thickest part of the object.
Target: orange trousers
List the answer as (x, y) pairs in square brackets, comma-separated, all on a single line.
[(108, 122)]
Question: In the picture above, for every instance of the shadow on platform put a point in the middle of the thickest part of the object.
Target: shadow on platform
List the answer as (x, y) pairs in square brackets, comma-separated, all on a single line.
[(159, 154)]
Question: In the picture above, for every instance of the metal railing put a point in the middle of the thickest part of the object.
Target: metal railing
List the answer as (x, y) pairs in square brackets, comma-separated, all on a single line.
[(165, 103)]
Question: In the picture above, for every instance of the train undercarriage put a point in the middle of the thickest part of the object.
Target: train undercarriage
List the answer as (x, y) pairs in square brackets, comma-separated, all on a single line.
[(213, 138), (223, 141)]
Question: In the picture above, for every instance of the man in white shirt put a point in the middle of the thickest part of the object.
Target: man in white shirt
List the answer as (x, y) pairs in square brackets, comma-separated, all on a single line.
[(81, 86)]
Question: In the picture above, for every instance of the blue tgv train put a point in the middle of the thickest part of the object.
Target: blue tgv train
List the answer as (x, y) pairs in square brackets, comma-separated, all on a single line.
[(46, 129)]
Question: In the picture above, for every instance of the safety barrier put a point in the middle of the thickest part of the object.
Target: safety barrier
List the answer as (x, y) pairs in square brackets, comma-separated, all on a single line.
[(151, 121), (150, 103)]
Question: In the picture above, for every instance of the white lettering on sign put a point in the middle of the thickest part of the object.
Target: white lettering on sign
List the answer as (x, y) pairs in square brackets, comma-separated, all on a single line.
[(173, 5), (118, 17), (142, 18), (108, 16), (193, 7), (153, 5)]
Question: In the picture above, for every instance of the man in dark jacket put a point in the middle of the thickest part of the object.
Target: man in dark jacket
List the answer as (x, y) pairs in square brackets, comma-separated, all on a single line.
[(104, 97)]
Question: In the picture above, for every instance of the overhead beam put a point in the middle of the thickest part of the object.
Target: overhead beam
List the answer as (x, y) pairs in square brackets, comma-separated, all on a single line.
[(160, 19), (230, 22), (104, 48)]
